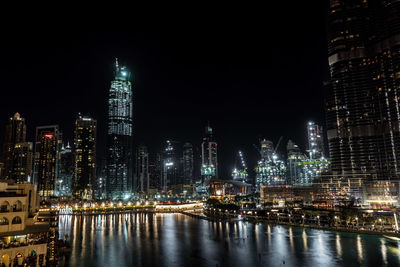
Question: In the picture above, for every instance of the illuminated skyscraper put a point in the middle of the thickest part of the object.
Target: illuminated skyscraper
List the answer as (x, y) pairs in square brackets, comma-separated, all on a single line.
[(46, 160), (188, 164), (119, 135), (15, 133), (294, 157), (22, 163), (209, 161), (315, 141), (362, 95), (84, 158), (142, 175), (64, 181), (170, 165), (266, 150)]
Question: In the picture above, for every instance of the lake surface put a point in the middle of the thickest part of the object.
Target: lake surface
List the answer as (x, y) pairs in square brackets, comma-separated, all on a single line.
[(179, 240)]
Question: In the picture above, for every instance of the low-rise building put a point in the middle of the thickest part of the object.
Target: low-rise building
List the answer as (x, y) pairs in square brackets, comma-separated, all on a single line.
[(23, 240)]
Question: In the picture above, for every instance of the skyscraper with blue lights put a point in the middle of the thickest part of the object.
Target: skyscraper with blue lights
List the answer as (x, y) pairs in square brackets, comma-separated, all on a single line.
[(119, 134)]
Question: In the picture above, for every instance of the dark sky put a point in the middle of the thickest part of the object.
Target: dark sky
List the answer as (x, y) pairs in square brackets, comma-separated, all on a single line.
[(250, 75)]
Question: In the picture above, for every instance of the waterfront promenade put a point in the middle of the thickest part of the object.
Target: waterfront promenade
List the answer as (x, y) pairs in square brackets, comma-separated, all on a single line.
[(198, 211)]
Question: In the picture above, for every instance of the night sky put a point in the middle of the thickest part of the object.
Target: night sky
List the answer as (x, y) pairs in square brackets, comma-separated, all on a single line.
[(250, 76)]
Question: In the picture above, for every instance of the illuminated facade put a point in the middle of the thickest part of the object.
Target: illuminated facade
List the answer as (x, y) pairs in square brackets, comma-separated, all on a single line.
[(270, 169), (209, 161), (119, 135), (362, 95), (64, 182), (315, 141), (295, 173), (84, 178), (46, 159), (22, 169), (15, 133), (24, 239), (170, 165), (303, 170)]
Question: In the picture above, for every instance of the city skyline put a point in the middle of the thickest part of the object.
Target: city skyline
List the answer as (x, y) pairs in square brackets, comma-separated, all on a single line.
[(266, 141), (245, 76)]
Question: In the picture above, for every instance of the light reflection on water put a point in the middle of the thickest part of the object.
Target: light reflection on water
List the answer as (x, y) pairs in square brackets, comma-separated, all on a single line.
[(179, 240)]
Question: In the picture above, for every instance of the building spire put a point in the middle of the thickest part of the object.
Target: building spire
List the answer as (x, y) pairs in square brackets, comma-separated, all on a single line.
[(116, 65)]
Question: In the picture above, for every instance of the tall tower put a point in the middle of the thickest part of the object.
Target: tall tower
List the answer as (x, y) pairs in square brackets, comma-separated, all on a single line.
[(362, 95), (209, 161), (119, 134), (84, 158), (294, 160), (22, 163), (315, 141), (188, 161), (155, 171), (267, 149), (142, 183), (65, 173), (170, 167), (15, 133), (48, 144)]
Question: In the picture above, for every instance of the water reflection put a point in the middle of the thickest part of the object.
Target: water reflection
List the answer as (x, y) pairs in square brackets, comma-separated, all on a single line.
[(178, 240)]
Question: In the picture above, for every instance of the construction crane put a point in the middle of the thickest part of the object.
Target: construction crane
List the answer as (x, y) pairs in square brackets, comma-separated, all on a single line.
[(277, 144)]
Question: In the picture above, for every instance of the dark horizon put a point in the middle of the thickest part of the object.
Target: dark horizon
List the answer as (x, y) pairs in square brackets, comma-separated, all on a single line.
[(264, 83)]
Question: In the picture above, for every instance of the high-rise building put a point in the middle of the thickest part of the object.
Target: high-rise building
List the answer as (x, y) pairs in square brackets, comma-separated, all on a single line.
[(188, 164), (64, 182), (22, 163), (209, 160), (15, 133), (155, 171), (362, 95), (119, 135), (266, 150), (170, 167), (142, 175), (84, 158), (270, 169), (101, 174), (315, 141), (295, 170), (48, 144)]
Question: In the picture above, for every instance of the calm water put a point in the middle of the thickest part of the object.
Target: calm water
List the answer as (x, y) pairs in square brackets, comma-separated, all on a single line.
[(179, 240)]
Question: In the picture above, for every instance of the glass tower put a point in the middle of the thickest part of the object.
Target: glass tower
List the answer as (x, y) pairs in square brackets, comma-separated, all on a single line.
[(119, 135), (209, 161), (363, 93), (84, 157), (188, 164), (15, 133), (46, 160), (142, 176)]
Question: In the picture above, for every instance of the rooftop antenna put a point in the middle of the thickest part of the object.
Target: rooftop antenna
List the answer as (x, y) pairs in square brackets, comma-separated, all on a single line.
[(116, 64)]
